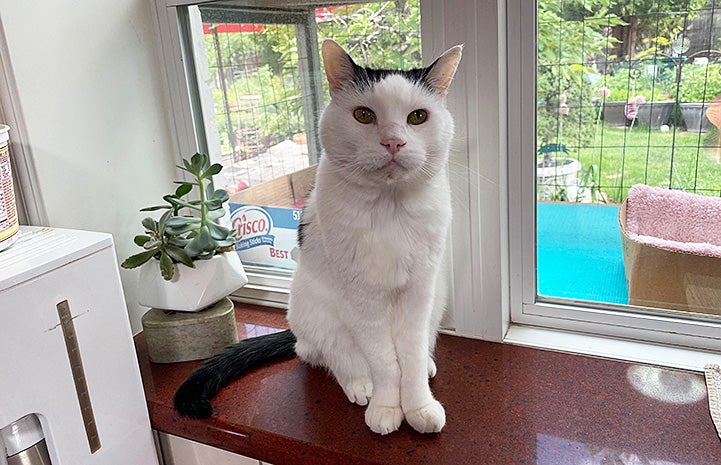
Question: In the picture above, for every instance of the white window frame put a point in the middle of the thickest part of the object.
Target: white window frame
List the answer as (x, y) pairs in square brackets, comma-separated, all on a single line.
[(265, 286), (492, 258), (180, 72), (478, 238), (652, 330)]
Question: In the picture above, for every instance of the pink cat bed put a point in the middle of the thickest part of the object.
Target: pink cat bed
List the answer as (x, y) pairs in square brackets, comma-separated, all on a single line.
[(672, 249)]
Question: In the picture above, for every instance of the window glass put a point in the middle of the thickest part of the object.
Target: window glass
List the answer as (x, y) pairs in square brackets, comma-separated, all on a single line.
[(262, 90), (629, 94)]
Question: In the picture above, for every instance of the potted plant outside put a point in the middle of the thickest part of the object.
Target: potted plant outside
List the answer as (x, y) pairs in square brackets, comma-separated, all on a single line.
[(632, 86), (556, 177), (189, 261)]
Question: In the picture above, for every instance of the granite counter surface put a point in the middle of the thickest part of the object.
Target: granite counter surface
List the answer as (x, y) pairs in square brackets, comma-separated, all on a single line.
[(504, 405)]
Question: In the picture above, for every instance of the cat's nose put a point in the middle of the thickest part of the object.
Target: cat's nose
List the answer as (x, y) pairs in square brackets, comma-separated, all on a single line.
[(393, 144)]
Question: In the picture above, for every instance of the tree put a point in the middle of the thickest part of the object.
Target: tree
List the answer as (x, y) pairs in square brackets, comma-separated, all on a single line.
[(566, 47), (661, 19), (260, 90), (382, 35)]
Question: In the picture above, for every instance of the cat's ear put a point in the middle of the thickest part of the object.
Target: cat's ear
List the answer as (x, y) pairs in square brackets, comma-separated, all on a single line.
[(339, 66), (442, 70)]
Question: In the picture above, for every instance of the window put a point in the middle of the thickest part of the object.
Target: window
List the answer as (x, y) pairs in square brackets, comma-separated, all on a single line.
[(583, 58), (622, 99), (495, 291), (256, 91)]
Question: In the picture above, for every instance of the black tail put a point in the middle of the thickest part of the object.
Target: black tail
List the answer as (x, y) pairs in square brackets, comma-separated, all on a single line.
[(193, 396)]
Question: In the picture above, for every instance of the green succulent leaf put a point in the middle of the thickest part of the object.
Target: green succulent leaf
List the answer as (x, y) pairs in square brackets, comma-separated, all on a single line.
[(226, 243), (198, 162), (153, 244), (213, 204), (183, 189), (138, 259), (166, 266), (182, 221), (200, 244), (179, 230), (217, 231), (214, 169), (179, 255), (150, 224), (179, 225), (178, 241), (155, 208), (181, 202), (192, 248), (141, 239), (186, 166), (220, 194), (206, 239), (163, 221), (213, 215)]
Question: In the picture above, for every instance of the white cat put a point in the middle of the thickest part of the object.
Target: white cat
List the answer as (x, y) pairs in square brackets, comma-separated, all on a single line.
[(372, 236)]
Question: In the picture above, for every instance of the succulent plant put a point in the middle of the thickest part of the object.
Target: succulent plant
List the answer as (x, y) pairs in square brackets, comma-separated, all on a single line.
[(183, 238)]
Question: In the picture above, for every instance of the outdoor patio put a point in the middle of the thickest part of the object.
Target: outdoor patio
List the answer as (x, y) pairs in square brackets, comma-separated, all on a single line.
[(278, 160)]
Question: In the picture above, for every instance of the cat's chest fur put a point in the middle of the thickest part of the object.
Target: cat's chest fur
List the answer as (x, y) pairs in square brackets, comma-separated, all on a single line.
[(381, 238)]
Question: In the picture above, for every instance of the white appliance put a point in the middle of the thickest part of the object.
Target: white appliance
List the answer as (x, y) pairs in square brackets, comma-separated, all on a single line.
[(66, 353)]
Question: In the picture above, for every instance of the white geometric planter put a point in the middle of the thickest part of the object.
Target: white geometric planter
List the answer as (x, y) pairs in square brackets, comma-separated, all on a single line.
[(191, 289)]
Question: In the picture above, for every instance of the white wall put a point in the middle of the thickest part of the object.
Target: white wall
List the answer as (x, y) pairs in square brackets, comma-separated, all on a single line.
[(89, 84)]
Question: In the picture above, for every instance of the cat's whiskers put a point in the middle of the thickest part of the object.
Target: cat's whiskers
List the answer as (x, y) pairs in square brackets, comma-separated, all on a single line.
[(348, 174)]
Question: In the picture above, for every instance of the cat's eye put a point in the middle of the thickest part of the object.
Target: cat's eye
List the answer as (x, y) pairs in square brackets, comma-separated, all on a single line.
[(417, 117), (364, 115)]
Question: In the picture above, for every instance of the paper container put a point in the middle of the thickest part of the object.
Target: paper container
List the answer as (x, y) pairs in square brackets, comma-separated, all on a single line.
[(9, 226), (266, 219), (668, 279)]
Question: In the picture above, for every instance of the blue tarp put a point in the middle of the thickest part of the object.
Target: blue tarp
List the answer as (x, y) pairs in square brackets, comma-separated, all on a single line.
[(579, 252)]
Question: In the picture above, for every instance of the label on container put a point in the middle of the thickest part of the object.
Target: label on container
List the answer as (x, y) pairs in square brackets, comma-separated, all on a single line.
[(8, 213), (265, 236)]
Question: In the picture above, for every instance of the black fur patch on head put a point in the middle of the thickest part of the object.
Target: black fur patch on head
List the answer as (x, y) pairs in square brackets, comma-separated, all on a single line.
[(365, 78)]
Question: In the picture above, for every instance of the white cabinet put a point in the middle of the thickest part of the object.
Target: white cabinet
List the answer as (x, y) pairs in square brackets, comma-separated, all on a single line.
[(179, 451), (67, 354)]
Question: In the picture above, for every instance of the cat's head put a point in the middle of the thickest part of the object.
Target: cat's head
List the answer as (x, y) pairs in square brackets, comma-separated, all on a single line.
[(387, 126)]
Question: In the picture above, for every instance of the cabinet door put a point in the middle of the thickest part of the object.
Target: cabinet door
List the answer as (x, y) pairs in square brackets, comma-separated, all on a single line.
[(179, 451)]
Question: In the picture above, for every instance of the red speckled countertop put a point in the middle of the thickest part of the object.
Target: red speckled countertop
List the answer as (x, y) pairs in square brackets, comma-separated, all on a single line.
[(504, 405)]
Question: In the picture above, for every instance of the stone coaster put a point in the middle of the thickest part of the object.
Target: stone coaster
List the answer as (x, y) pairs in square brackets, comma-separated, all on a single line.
[(182, 336)]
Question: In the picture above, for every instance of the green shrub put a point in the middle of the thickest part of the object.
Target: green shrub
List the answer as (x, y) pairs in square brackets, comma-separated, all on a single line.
[(700, 83), (565, 112), (264, 101)]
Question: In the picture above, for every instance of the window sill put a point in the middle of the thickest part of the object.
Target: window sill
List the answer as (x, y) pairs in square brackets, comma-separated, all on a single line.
[(504, 404), (611, 348)]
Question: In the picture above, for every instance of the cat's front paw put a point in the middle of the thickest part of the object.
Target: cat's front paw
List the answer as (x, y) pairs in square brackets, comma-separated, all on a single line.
[(428, 419), (359, 391), (383, 420)]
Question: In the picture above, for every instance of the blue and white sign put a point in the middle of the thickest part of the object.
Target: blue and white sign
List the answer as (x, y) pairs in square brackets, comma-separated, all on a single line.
[(265, 236)]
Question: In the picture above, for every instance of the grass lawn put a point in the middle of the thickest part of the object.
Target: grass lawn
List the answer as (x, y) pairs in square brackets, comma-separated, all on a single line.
[(675, 159)]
